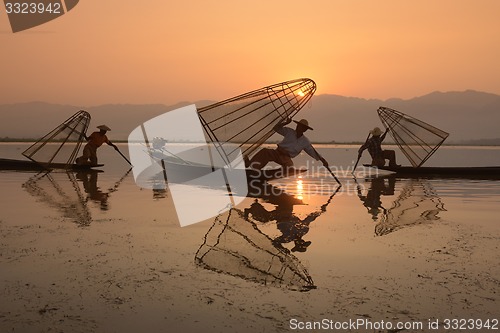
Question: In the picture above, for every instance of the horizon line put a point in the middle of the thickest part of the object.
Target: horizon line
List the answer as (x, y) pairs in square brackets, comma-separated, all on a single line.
[(215, 101)]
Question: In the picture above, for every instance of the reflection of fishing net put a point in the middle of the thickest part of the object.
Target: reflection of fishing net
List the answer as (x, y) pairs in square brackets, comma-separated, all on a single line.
[(60, 190), (249, 119), (417, 203), (62, 143), (416, 139), (237, 247)]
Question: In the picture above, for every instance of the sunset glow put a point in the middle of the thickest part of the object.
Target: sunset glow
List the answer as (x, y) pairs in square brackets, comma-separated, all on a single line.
[(126, 52)]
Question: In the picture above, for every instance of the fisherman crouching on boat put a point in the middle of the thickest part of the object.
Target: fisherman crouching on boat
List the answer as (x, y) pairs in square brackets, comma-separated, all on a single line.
[(95, 140), (294, 141), (374, 146)]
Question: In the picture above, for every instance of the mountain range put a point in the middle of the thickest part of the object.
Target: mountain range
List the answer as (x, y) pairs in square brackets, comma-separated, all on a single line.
[(469, 116)]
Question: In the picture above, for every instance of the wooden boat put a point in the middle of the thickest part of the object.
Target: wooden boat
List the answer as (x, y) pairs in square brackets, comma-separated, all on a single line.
[(419, 141), (26, 165), (178, 173), (48, 153), (486, 172)]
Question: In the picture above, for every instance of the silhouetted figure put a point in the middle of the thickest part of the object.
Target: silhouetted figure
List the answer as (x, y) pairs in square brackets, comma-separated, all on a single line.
[(95, 140), (377, 188), (374, 146), (294, 141)]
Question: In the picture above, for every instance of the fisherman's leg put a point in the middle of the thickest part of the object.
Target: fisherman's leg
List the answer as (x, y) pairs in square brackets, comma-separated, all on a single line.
[(391, 156), (93, 155), (85, 155), (264, 156), (378, 161), (285, 161)]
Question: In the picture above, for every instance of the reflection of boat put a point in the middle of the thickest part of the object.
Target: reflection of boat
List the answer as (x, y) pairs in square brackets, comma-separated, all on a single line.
[(419, 141), (10, 164), (236, 246), (492, 172), (416, 203), (60, 190)]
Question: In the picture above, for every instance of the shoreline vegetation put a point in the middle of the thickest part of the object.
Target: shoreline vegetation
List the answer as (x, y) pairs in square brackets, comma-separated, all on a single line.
[(478, 142)]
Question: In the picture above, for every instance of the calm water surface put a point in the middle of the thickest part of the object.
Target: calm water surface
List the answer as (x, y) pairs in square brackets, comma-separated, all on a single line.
[(310, 224), (112, 194)]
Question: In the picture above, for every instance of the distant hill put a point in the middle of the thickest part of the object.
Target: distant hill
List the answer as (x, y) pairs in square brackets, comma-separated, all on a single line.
[(35, 119), (467, 116)]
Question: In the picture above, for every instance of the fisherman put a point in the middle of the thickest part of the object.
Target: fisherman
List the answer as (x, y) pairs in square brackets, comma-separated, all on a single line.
[(95, 140), (294, 141), (374, 146)]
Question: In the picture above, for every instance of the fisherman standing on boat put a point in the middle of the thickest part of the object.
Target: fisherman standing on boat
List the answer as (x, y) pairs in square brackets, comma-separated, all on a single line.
[(95, 140), (294, 141), (374, 146)]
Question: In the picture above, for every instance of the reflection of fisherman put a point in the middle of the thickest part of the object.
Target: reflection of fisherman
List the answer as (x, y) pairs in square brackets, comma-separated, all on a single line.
[(291, 227), (372, 198), (95, 140), (374, 146), (294, 141), (89, 181)]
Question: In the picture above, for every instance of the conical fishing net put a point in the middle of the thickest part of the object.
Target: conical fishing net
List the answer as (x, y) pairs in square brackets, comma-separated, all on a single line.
[(247, 121), (62, 143), (416, 139)]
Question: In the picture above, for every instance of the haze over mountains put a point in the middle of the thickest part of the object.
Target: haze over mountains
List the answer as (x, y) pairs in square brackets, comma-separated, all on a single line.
[(469, 116)]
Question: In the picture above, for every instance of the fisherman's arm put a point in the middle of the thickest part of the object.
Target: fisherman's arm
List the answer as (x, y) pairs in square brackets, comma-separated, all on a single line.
[(277, 128), (111, 144), (314, 154), (383, 135), (363, 147)]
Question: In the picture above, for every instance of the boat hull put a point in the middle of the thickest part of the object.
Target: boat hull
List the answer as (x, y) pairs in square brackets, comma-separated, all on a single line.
[(179, 173)]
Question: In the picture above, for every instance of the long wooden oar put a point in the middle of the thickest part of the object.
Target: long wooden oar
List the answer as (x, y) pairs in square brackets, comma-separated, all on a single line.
[(328, 168), (119, 152), (359, 155), (333, 175)]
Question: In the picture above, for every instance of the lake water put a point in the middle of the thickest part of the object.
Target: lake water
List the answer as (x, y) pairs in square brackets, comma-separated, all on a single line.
[(94, 252)]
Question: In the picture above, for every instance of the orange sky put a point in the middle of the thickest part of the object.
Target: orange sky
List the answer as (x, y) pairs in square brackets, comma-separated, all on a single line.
[(159, 51)]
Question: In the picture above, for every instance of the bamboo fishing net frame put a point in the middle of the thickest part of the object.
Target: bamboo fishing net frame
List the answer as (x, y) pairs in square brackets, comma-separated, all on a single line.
[(253, 115), (417, 139), (70, 131)]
